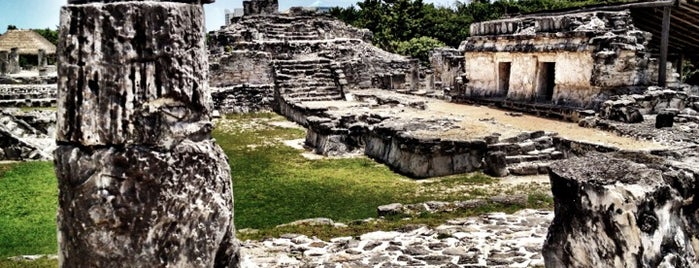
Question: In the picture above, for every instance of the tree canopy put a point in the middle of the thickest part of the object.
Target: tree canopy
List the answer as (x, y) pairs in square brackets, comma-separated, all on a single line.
[(399, 24)]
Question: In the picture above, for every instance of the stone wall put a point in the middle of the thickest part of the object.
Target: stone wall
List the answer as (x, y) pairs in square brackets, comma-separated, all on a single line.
[(244, 98), (653, 101), (241, 67), (288, 37), (569, 60), (447, 64)]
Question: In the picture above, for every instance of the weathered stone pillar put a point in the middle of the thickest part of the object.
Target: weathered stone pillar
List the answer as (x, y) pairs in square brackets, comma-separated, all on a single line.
[(13, 61), (141, 181), (611, 212), (414, 74), (41, 55), (3, 62)]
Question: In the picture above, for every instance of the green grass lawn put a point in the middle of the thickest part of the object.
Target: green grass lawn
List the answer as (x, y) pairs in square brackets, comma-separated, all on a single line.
[(28, 200), (273, 184)]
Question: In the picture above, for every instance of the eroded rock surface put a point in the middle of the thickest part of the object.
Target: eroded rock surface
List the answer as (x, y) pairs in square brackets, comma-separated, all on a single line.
[(142, 183), (612, 212)]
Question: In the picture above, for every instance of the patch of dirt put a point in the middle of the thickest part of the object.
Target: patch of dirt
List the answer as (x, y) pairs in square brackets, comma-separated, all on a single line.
[(479, 121)]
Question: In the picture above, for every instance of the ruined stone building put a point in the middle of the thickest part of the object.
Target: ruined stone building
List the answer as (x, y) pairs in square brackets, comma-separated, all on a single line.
[(305, 56), (574, 59), (23, 43), (567, 60)]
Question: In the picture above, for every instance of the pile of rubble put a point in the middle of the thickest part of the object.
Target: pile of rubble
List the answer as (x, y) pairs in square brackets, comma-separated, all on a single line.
[(26, 135)]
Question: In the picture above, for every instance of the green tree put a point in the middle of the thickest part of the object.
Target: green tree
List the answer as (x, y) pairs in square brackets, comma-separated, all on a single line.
[(50, 35), (418, 47), (11, 27)]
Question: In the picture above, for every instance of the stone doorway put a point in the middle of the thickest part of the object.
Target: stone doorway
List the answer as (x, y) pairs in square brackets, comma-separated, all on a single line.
[(546, 81), (504, 78)]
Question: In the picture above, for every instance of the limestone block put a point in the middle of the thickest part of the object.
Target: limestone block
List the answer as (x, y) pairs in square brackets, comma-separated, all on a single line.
[(496, 164), (622, 215), (131, 75)]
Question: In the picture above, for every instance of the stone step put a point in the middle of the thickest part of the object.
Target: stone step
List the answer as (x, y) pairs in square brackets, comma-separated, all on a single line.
[(319, 98), (529, 168), (302, 62), (515, 159), (300, 90), (306, 83), (313, 93), (306, 72)]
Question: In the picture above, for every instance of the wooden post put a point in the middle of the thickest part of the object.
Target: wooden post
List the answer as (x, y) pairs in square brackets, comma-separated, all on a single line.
[(662, 69)]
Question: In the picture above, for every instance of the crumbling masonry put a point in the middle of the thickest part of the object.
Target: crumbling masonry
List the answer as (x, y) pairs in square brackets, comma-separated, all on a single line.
[(141, 181)]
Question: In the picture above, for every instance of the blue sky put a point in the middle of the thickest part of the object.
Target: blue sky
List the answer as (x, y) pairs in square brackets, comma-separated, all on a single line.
[(27, 14)]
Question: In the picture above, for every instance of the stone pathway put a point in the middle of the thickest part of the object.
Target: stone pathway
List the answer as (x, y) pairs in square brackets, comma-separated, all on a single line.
[(491, 240)]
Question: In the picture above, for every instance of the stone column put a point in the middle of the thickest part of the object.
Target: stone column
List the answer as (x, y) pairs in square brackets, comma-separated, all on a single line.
[(141, 181), (414, 74), (3, 62), (41, 55), (13, 61)]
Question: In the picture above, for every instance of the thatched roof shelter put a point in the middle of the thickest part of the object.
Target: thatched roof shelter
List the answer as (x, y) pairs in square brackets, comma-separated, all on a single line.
[(28, 42)]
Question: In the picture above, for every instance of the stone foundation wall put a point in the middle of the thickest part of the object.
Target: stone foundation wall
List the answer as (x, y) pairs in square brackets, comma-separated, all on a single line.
[(243, 99), (653, 101), (447, 64), (241, 67), (424, 158)]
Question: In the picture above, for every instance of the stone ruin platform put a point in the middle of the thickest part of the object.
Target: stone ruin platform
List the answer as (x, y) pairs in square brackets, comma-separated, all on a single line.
[(422, 137)]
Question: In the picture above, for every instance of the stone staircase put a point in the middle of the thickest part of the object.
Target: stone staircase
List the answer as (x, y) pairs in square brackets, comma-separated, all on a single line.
[(283, 29), (27, 95), (528, 153), (308, 80)]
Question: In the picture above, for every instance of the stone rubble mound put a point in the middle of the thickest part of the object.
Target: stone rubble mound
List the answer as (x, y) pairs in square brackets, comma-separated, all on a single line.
[(26, 136)]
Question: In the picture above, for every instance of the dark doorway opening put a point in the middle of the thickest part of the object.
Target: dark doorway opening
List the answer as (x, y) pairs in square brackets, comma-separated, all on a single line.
[(546, 81), (504, 78)]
